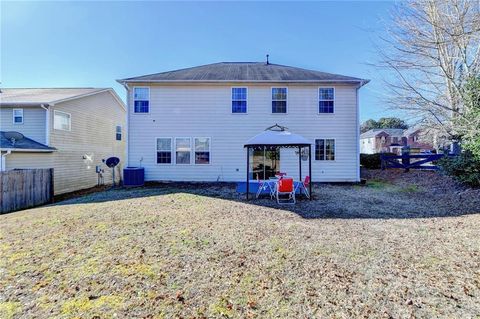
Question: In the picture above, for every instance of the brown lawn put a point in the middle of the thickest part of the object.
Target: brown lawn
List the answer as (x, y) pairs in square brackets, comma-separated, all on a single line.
[(387, 250)]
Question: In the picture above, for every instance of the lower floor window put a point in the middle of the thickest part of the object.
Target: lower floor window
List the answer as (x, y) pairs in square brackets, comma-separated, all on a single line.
[(325, 149), (164, 150), (202, 150), (182, 150)]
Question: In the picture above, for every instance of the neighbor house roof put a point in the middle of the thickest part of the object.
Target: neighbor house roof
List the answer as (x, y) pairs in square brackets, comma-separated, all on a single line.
[(47, 96), (389, 131), (244, 72), (23, 144)]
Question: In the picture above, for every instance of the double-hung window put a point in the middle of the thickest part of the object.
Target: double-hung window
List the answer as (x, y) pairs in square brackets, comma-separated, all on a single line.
[(324, 149), (326, 100), (239, 100), (202, 150), (17, 116), (164, 150), (279, 100), (118, 132), (141, 100), (182, 150), (62, 121)]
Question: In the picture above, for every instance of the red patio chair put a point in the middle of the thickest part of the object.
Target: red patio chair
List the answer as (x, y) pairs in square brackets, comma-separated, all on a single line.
[(303, 185), (285, 187)]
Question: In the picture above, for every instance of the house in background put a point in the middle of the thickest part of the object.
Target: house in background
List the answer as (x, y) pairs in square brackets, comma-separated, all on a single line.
[(191, 124), (392, 141), (68, 129)]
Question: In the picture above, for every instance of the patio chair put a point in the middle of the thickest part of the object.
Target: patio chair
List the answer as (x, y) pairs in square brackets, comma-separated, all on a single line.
[(285, 187), (303, 186), (264, 185)]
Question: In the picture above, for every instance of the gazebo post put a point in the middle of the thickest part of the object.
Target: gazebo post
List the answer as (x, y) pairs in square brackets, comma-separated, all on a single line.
[(300, 163), (310, 170), (248, 170)]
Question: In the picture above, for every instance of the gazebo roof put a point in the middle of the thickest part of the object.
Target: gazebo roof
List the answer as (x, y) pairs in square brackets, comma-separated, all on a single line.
[(277, 136)]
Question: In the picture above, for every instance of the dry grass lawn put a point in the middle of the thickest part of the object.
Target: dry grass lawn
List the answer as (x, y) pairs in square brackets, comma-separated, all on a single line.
[(378, 251)]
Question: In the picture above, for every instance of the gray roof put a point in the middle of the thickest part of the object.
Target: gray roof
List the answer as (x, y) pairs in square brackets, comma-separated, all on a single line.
[(23, 144), (376, 131), (37, 96), (244, 72)]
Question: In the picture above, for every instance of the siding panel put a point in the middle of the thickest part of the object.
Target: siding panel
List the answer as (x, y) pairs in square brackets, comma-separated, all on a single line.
[(190, 111), (33, 122)]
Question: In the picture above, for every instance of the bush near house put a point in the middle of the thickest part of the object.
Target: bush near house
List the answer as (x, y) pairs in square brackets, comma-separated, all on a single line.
[(465, 168), (372, 161)]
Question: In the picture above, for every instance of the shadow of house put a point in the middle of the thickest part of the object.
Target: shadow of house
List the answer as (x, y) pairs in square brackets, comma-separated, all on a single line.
[(380, 201)]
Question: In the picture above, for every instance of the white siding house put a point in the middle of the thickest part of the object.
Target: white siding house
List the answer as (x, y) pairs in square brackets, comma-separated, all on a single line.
[(184, 110)]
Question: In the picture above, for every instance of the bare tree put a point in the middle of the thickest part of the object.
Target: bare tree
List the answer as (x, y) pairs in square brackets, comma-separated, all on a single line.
[(432, 47)]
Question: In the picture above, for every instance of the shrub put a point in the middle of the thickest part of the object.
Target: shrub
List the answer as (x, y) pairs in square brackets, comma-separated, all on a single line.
[(465, 168), (372, 161)]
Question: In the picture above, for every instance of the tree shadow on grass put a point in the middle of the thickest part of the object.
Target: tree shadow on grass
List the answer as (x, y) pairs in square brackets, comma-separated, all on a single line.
[(330, 201)]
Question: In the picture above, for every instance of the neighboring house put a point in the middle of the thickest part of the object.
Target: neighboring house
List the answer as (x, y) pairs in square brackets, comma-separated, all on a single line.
[(392, 141), (68, 129), (191, 124)]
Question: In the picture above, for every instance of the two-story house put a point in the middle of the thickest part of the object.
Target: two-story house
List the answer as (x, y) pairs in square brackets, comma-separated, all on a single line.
[(68, 129), (392, 141), (191, 124)]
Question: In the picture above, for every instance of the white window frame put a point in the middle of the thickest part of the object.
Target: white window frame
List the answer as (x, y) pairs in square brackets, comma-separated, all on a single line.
[(231, 99), (133, 99), (209, 150), (318, 99), (271, 97), (13, 117), (172, 156), (325, 149), (175, 150), (69, 121)]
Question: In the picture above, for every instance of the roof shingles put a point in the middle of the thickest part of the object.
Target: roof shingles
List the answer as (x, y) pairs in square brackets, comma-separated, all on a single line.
[(243, 72)]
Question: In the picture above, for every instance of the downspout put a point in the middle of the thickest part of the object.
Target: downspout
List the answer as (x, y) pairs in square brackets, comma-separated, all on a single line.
[(47, 124), (127, 127), (4, 160), (357, 133)]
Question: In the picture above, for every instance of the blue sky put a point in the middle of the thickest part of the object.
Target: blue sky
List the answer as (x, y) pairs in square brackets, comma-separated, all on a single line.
[(68, 44)]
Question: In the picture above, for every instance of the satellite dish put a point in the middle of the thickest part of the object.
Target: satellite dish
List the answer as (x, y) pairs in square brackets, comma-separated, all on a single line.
[(13, 136), (112, 162)]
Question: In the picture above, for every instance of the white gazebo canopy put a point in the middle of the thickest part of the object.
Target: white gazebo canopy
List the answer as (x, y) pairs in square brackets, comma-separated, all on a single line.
[(277, 136)]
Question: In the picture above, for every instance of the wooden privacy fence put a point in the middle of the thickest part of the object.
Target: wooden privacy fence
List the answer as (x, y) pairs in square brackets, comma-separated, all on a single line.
[(407, 161), (20, 189)]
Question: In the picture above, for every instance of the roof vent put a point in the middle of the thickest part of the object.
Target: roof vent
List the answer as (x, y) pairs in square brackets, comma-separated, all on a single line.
[(267, 59)]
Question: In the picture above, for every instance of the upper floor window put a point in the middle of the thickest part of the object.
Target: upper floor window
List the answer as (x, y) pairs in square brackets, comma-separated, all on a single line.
[(202, 150), (324, 149), (239, 100), (326, 100), (279, 100), (118, 132), (182, 150), (164, 150), (62, 121), (17, 116), (141, 100)]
